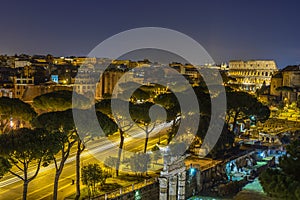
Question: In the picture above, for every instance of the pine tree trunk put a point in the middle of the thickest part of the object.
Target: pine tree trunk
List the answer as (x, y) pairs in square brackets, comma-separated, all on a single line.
[(55, 187), (146, 142), (25, 188), (120, 152), (79, 150)]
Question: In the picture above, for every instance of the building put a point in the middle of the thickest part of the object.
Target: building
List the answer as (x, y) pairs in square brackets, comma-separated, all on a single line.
[(20, 85), (276, 82), (21, 63), (6, 92), (54, 78), (108, 82), (285, 85), (251, 75)]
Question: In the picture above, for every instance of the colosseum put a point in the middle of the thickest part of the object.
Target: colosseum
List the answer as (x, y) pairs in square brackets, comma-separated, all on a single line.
[(251, 75)]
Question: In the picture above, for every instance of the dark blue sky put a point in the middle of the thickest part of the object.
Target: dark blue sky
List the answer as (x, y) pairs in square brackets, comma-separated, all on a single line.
[(262, 29)]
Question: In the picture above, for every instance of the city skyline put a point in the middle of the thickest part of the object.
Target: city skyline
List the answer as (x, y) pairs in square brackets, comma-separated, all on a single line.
[(160, 100), (228, 30)]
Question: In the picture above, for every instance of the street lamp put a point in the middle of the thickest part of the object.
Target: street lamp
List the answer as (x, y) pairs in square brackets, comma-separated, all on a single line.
[(11, 123)]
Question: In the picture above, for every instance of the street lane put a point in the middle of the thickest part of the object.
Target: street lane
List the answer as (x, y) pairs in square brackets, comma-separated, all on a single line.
[(42, 186)]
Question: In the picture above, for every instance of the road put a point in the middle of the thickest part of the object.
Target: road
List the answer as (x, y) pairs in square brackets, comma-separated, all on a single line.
[(42, 187)]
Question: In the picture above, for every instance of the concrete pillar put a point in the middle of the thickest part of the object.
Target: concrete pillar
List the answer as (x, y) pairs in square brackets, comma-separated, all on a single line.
[(106, 83), (181, 185), (172, 187), (198, 179), (163, 188)]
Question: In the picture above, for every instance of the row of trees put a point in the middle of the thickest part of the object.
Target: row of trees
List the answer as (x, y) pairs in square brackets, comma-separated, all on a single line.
[(240, 106), (56, 122), (49, 137)]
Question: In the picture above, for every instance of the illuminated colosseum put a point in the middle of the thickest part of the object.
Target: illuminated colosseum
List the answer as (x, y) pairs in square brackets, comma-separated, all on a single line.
[(251, 75)]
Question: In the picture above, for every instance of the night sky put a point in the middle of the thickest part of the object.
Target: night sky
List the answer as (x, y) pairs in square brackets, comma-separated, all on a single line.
[(228, 30)]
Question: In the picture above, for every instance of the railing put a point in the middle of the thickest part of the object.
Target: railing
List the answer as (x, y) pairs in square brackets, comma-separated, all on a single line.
[(126, 189)]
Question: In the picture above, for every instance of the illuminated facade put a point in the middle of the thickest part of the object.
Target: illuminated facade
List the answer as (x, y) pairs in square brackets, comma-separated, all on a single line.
[(286, 84), (251, 75), (21, 84)]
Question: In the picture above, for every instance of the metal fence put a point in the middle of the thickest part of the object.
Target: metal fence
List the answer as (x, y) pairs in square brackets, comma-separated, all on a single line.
[(126, 189)]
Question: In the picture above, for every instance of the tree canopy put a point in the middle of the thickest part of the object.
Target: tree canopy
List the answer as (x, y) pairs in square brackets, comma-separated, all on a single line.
[(284, 183), (241, 105), (139, 162), (15, 110), (27, 149), (60, 100), (92, 176)]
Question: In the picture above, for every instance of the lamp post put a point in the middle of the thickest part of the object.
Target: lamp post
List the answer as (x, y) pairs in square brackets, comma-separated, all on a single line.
[(11, 123)]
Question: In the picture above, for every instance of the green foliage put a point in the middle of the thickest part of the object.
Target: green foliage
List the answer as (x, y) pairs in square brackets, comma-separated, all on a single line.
[(104, 106), (26, 148), (231, 188), (156, 155), (60, 100), (87, 127), (284, 183), (139, 162), (151, 90), (140, 112), (167, 100), (277, 184), (241, 105), (15, 109), (141, 92), (137, 95), (27, 145), (110, 162), (56, 121), (93, 175), (290, 163), (178, 149), (141, 95), (224, 143), (63, 121), (204, 101), (106, 123), (170, 103), (5, 166)]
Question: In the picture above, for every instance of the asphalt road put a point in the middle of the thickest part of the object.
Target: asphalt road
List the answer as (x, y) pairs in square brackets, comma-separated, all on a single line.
[(42, 187)]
